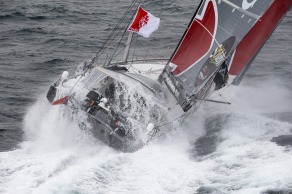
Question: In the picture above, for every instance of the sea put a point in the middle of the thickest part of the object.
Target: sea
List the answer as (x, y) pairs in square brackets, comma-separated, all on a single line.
[(243, 148)]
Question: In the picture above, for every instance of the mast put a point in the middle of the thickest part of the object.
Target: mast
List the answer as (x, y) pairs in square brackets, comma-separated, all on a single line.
[(127, 49)]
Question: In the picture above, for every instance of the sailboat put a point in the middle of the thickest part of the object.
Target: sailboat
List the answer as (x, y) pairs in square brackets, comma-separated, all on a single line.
[(129, 103)]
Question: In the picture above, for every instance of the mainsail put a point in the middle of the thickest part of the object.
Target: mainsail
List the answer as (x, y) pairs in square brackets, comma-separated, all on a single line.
[(221, 31)]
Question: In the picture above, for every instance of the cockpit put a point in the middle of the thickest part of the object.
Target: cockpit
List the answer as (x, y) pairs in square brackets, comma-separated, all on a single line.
[(119, 100)]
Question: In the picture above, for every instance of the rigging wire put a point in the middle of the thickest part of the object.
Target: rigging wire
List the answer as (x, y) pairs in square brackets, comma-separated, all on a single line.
[(122, 50), (114, 53), (106, 44), (160, 14), (219, 94), (120, 40), (196, 105), (134, 52)]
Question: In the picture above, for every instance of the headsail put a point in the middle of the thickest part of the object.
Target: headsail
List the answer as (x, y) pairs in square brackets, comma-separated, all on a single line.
[(211, 38)]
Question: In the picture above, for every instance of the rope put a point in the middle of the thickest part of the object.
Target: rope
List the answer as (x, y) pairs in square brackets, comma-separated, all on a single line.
[(121, 50), (106, 44), (115, 54)]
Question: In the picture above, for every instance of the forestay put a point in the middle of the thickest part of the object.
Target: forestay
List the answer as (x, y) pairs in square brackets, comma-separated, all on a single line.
[(214, 33)]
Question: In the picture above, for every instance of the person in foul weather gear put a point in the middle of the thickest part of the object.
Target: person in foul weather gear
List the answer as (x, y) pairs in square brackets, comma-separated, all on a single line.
[(92, 101), (116, 123), (221, 77), (110, 93), (119, 128)]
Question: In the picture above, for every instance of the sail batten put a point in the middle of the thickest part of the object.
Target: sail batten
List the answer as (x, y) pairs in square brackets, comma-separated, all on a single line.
[(241, 9)]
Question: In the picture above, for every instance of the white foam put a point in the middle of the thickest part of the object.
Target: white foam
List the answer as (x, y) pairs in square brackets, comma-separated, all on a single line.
[(58, 157)]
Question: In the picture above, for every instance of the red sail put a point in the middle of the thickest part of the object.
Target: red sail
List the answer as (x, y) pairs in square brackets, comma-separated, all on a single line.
[(197, 41), (257, 36), (231, 31)]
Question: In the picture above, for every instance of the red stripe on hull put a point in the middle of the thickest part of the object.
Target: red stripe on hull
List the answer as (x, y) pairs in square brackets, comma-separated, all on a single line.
[(197, 41), (258, 35), (63, 100)]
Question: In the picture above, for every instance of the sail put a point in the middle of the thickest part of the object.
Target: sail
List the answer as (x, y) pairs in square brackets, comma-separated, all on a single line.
[(249, 47), (218, 28)]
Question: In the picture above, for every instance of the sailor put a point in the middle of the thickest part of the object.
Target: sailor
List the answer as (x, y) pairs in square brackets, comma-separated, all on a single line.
[(221, 77), (110, 93), (120, 130), (92, 107), (92, 101), (118, 127), (115, 122)]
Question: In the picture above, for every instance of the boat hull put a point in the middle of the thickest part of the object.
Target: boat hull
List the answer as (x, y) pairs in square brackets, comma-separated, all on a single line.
[(104, 133), (106, 102)]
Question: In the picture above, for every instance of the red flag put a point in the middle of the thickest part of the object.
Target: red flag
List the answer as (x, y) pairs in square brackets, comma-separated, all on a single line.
[(63, 100), (144, 23)]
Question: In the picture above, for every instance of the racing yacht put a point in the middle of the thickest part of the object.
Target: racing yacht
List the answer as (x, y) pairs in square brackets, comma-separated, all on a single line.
[(126, 104)]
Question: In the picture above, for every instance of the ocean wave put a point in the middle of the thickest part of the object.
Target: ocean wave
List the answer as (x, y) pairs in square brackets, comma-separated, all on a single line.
[(20, 15), (11, 116), (52, 8), (40, 17), (277, 191), (16, 14), (56, 61), (17, 100), (55, 40), (38, 30)]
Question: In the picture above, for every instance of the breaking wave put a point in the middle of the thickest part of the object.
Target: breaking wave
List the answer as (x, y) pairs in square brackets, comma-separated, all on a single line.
[(224, 150)]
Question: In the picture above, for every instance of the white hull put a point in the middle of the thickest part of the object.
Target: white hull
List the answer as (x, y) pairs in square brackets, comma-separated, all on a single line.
[(159, 109)]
